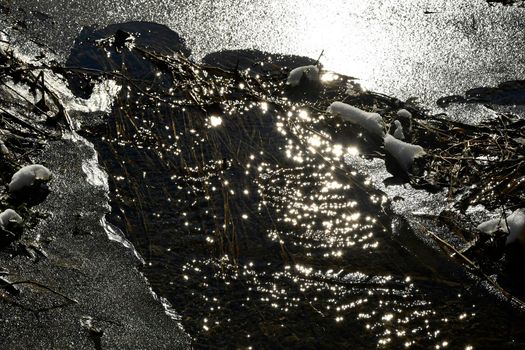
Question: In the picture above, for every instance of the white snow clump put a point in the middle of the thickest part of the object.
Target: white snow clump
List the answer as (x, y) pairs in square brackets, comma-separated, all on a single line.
[(311, 73), (514, 225), (403, 152), (372, 122), (405, 117), (28, 176), (353, 88), (403, 113), (398, 130), (9, 216), (3, 149)]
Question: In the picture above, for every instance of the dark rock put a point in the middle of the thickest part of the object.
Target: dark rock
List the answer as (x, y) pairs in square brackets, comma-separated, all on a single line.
[(86, 54)]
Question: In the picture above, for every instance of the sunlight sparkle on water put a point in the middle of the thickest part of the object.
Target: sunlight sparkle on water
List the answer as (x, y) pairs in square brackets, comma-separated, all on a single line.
[(353, 151), (304, 115), (315, 141), (215, 121), (329, 76), (337, 150), (388, 317)]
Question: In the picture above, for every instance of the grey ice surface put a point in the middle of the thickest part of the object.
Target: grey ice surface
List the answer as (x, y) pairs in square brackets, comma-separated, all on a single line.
[(423, 48), (115, 309)]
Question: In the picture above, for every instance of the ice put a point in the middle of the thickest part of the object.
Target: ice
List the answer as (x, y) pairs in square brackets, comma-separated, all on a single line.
[(100, 100)]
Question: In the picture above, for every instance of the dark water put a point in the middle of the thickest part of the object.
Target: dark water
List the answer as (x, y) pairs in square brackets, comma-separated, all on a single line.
[(251, 223)]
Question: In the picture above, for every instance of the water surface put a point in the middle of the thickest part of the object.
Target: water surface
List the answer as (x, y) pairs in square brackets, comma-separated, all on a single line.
[(426, 49), (256, 224)]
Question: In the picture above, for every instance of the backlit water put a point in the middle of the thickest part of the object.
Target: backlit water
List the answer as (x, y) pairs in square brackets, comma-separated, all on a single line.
[(251, 222), (420, 48)]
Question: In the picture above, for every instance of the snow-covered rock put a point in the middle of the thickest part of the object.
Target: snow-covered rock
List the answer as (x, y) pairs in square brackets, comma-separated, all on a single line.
[(514, 225), (9, 216), (372, 122), (403, 152), (28, 176), (311, 73)]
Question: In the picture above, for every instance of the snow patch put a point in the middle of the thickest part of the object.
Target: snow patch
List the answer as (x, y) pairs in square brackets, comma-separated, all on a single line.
[(371, 122), (490, 226), (403, 113), (28, 176), (9, 216), (398, 130), (3, 149), (514, 225), (404, 153), (311, 73), (353, 88)]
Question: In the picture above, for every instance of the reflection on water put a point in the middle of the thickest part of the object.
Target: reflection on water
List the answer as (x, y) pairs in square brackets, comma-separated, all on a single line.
[(417, 48), (259, 232)]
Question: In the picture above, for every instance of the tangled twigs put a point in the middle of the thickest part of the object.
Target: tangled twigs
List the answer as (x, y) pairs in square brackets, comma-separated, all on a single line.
[(474, 267), (480, 164)]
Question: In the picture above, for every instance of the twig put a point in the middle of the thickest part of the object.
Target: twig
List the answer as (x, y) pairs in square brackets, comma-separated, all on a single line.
[(318, 59), (44, 287)]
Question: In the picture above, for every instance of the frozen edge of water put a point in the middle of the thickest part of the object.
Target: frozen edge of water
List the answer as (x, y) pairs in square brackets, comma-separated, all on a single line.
[(100, 101)]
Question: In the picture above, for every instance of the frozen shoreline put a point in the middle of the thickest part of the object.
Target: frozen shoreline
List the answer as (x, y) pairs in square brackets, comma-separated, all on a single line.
[(88, 291), (85, 265)]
